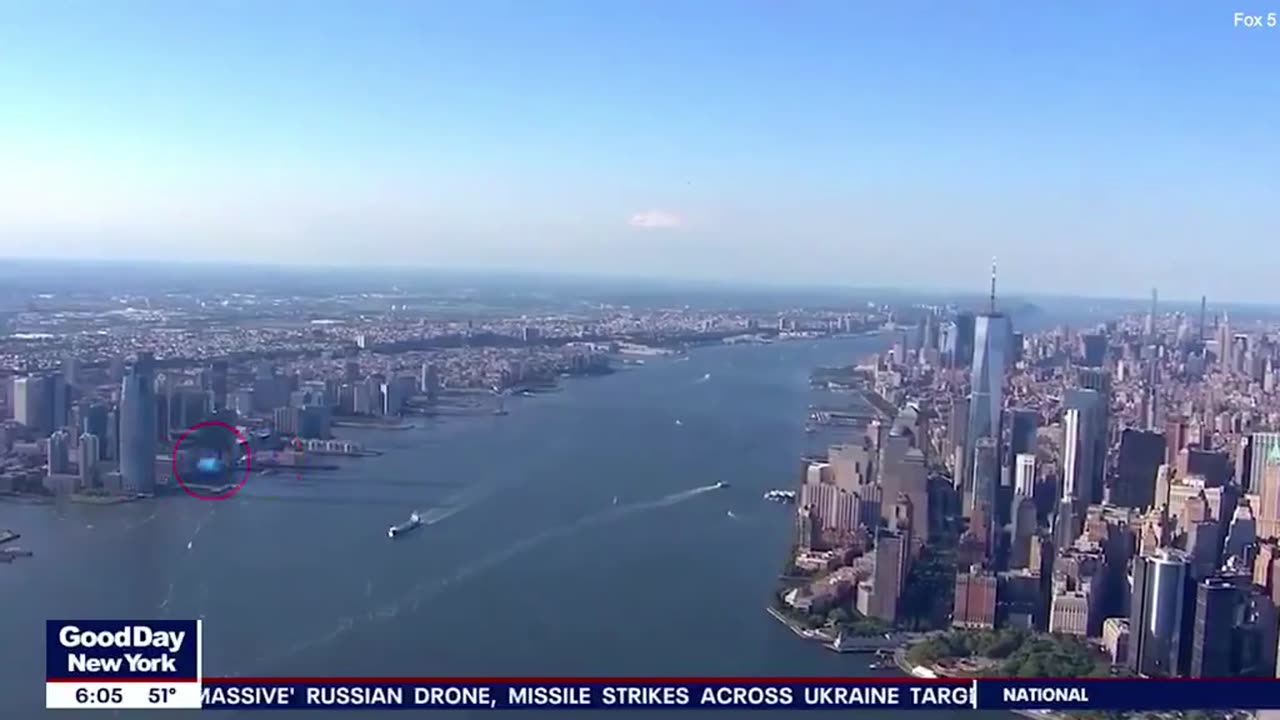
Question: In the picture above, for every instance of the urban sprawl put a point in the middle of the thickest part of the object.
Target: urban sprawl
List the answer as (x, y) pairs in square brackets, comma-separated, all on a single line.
[(1100, 500)]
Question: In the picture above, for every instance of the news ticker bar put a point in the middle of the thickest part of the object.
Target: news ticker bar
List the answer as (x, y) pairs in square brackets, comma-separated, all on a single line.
[(138, 664), (668, 693)]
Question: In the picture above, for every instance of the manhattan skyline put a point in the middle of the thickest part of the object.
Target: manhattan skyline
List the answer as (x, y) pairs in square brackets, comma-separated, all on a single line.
[(1094, 150)]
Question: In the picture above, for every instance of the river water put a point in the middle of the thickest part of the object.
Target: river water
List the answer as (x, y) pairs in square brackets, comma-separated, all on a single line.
[(527, 565)]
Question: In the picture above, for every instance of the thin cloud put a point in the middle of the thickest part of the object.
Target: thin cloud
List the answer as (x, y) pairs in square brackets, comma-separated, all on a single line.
[(656, 220)]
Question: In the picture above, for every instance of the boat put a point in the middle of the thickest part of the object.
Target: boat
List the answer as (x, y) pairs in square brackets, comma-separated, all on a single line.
[(721, 485), (781, 496), (395, 531), (615, 499)]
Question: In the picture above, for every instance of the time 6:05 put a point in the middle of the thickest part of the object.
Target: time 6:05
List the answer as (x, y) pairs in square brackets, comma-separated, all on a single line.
[(86, 696)]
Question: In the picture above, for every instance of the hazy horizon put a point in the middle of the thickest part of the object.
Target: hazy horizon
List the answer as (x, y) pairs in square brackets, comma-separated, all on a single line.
[(1096, 150), (18, 272)]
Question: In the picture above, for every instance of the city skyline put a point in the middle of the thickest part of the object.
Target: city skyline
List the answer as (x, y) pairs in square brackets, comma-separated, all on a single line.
[(833, 144)]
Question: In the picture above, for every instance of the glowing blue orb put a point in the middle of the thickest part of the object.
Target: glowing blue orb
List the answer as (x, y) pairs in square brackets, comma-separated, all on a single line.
[(209, 465)]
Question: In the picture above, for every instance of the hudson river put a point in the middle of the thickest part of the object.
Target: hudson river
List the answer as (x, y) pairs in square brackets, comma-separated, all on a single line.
[(526, 567)]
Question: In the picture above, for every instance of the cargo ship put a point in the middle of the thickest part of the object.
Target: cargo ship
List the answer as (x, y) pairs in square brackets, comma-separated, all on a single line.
[(395, 531)]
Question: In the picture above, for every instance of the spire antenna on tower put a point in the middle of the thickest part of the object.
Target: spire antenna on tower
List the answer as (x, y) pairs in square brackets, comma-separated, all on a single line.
[(993, 285)]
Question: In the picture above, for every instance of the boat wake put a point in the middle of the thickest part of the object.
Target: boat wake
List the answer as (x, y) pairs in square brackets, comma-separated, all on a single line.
[(200, 526), (456, 504), (427, 589), (168, 596)]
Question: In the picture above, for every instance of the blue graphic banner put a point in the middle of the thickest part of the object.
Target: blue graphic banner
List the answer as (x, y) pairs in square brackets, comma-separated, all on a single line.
[(741, 694), (121, 650)]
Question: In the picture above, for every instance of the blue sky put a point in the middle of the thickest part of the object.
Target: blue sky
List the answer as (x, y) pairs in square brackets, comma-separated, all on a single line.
[(1092, 147)]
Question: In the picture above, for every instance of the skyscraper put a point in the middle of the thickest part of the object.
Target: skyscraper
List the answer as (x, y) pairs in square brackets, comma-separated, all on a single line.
[(1260, 446), (93, 420), (963, 335), (1200, 331), (1074, 462), (891, 555), (986, 476), (1024, 475), (429, 380), (1176, 435), (138, 426), (58, 397), (88, 457), (31, 406), (1094, 346), (1225, 341), (1214, 628), (1268, 514), (1141, 453), (1091, 440), (1150, 329), (218, 384), (1156, 614), (57, 453), (986, 387), (1022, 427), (991, 346)]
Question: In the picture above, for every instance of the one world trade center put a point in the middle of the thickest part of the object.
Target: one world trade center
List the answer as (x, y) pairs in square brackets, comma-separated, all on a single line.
[(993, 338)]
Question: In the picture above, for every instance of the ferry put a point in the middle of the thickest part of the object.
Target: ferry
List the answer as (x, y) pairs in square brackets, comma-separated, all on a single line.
[(397, 530)]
